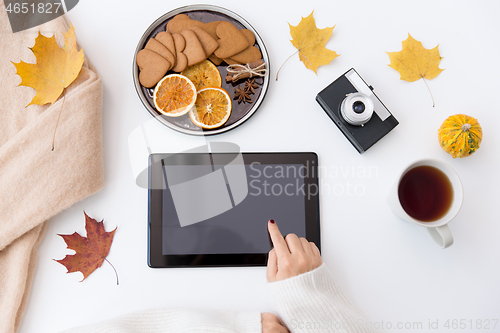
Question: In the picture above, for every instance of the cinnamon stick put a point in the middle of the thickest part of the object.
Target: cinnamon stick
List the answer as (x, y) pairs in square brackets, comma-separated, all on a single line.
[(242, 72)]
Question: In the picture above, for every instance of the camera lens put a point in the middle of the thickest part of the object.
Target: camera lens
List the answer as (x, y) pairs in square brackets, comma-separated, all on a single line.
[(358, 107)]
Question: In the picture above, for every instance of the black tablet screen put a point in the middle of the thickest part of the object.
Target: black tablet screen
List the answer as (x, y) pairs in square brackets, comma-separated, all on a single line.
[(274, 192)]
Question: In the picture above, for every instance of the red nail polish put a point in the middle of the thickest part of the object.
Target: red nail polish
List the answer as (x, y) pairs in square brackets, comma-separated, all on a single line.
[(272, 221)]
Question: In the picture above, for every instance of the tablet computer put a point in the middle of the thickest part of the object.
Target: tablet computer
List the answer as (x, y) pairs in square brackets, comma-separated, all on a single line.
[(212, 209)]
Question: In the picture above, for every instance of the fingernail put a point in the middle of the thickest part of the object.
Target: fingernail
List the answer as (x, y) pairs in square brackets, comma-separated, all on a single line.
[(272, 221)]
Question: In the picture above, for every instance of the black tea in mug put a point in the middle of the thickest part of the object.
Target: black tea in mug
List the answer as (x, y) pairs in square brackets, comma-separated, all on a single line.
[(425, 193)]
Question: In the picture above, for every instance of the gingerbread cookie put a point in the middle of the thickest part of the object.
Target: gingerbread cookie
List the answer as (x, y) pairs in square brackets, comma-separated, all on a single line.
[(159, 48), (209, 44), (181, 59), (249, 36), (216, 60), (152, 66), (230, 61), (167, 40), (181, 22), (250, 54), (231, 40), (193, 50), (211, 28), (179, 42), (182, 16)]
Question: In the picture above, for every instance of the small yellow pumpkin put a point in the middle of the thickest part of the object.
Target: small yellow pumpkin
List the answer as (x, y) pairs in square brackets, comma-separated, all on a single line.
[(460, 135)]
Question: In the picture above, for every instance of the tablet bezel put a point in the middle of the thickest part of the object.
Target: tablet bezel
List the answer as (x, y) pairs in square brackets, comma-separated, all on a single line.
[(156, 259)]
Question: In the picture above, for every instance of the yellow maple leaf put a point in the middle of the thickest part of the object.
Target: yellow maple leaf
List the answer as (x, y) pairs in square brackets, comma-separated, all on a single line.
[(310, 43), (415, 62), (55, 68)]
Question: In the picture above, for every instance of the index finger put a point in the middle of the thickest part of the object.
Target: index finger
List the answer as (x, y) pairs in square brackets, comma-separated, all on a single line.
[(277, 239)]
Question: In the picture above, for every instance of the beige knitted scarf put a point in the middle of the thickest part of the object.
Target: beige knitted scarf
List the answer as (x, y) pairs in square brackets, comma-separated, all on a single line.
[(37, 183)]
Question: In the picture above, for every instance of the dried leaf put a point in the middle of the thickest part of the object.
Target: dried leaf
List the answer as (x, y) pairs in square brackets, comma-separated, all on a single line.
[(415, 62), (55, 68), (311, 41), (91, 251)]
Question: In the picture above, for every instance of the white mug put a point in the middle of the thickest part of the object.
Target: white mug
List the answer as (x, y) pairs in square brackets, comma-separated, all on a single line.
[(438, 229)]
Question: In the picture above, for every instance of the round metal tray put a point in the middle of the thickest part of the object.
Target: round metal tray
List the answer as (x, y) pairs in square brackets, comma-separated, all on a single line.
[(240, 111)]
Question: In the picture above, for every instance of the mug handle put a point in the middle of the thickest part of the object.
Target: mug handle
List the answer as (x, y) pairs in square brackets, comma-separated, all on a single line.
[(442, 236)]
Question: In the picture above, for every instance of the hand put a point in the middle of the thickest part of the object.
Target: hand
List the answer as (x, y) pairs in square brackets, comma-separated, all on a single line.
[(290, 256), (271, 324)]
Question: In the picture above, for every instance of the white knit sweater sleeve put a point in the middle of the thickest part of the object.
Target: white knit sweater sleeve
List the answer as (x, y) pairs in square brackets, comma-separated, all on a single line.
[(313, 302), (178, 320)]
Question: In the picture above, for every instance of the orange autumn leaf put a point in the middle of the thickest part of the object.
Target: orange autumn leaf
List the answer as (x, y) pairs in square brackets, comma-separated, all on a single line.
[(91, 251), (310, 43), (55, 68)]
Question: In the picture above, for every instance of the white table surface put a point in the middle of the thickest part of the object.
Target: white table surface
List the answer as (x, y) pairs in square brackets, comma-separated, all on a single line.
[(390, 269)]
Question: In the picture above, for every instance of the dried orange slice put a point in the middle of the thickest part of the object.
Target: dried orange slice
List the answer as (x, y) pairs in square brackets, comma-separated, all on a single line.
[(212, 108), (174, 95), (203, 74)]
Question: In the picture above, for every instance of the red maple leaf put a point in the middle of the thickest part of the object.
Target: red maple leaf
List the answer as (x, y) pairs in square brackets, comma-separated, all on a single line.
[(91, 251)]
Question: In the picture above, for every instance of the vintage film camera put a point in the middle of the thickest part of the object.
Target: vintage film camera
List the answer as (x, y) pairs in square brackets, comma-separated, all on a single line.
[(356, 110)]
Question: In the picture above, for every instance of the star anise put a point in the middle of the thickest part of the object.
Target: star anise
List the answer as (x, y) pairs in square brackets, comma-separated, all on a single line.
[(242, 95), (250, 85)]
